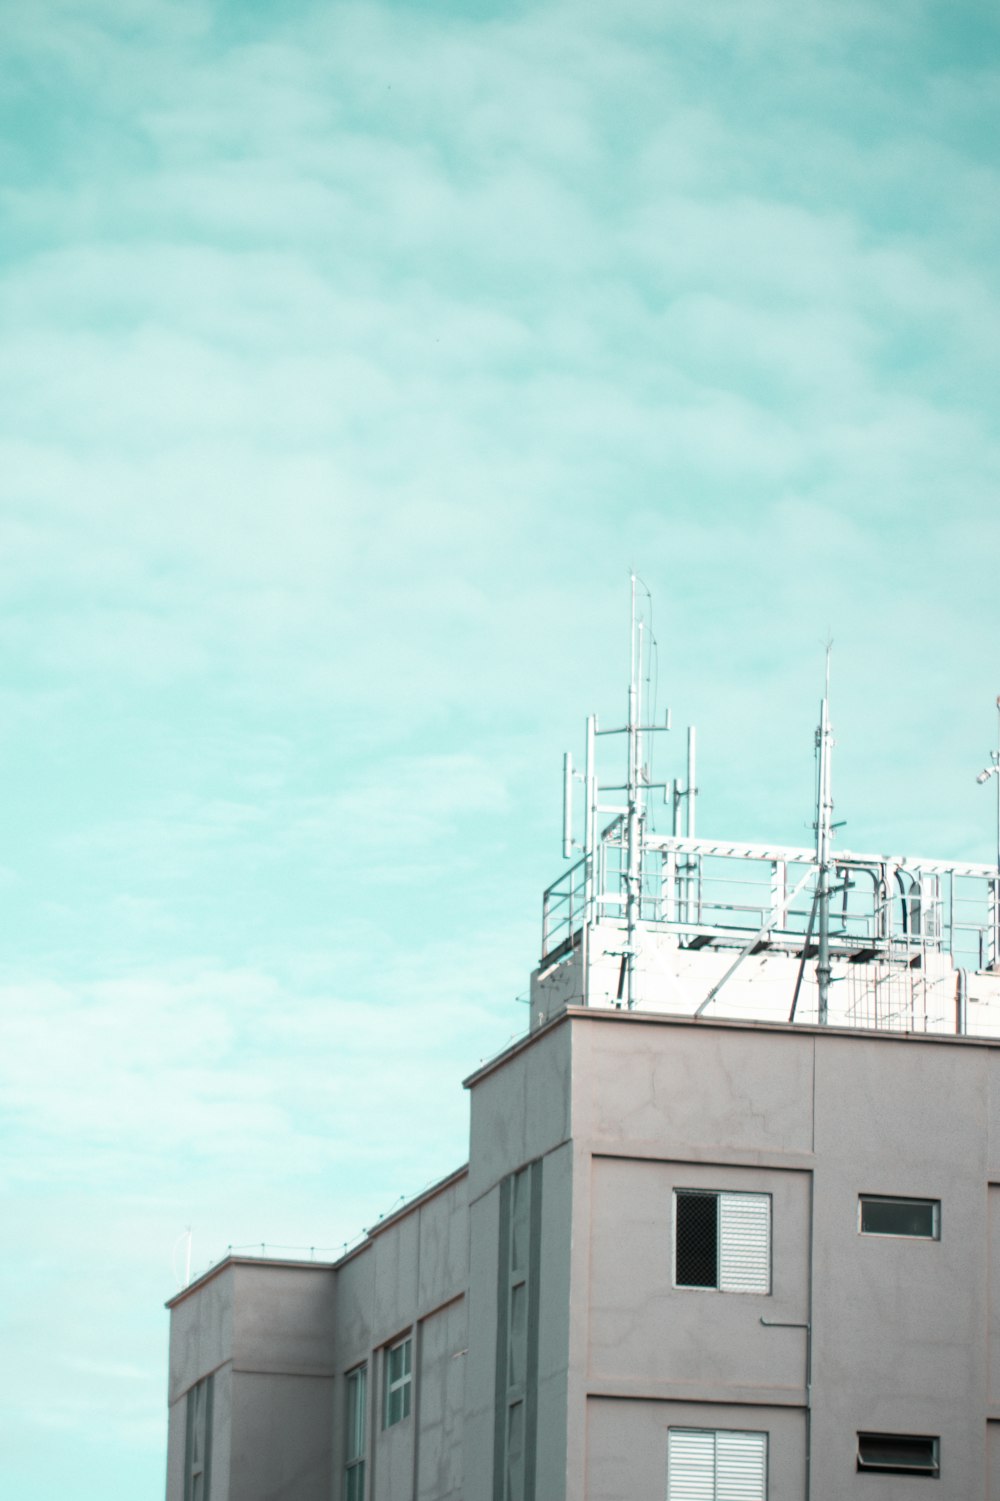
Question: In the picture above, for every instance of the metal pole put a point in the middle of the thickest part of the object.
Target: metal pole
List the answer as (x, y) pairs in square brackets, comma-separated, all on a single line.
[(996, 889), (993, 770), (824, 810), (632, 881), (692, 790), (996, 761), (589, 855)]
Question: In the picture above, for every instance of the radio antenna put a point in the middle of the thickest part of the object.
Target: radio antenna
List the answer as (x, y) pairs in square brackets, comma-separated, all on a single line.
[(824, 836)]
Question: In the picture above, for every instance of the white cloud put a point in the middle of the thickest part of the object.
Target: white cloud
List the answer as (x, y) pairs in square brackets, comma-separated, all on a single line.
[(350, 357)]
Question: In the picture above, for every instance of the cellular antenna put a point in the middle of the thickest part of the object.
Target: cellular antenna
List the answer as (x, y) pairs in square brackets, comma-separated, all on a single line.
[(678, 921), (579, 904), (634, 799), (990, 771), (824, 837)]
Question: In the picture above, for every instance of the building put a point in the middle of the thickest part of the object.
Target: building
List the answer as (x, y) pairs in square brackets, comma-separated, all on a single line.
[(729, 1227)]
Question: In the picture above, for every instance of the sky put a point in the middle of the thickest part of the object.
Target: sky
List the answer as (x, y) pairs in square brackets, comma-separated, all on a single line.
[(351, 355)]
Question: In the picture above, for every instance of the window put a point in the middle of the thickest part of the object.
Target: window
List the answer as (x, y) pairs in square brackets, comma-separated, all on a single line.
[(354, 1447), (198, 1442), (881, 1215), (722, 1241), (716, 1465), (518, 1292), (398, 1381), (898, 1454)]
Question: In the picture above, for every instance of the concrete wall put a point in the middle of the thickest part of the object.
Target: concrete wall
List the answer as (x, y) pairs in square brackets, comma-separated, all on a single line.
[(520, 1113), (651, 1340), (409, 1279), (905, 1332), (675, 980), (901, 1325), (627, 1446), (265, 1332), (618, 1110)]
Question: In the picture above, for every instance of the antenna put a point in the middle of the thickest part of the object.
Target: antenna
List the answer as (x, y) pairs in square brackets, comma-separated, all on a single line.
[(824, 835), (634, 801), (587, 879), (994, 770)]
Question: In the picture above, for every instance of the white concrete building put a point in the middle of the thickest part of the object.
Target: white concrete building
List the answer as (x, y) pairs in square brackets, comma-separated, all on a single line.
[(729, 1228)]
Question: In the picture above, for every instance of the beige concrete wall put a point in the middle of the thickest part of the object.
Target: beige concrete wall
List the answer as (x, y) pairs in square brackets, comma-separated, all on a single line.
[(900, 1324), (901, 1339), (554, 1323), (520, 1113), (266, 1333), (480, 1383), (222, 1402), (201, 1331), (409, 1279), (281, 1449), (440, 1395), (993, 1461), (687, 1091), (284, 1319), (993, 1307), (620, 1110), (519, 1110), (649, 1339), (626, 1446)]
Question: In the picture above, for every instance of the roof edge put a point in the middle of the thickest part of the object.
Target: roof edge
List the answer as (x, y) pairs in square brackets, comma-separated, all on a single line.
[(622, 1017)]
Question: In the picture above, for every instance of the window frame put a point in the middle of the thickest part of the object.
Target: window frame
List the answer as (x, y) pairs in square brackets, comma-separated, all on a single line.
[(198, 1433), (355, 1432), (928, 1472), (401, 1385), (935, 1206), (762, 1434), (718, 1194)]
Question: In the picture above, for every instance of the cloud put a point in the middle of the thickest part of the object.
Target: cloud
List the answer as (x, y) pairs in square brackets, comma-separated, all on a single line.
[(350, 358)]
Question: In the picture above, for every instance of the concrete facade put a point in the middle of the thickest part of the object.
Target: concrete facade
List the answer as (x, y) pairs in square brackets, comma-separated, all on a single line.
[(616, 1111)]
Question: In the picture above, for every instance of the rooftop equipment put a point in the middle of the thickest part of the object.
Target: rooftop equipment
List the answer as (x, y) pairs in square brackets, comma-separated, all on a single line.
[(871, 940)]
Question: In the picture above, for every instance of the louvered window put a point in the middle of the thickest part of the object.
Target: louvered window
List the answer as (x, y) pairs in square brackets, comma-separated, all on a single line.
[(722, 1240), (705, 1464)]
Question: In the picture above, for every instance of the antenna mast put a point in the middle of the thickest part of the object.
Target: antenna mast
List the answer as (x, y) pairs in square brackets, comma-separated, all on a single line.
[(629, 825), (634, 790), (824, 834), (984, 776)]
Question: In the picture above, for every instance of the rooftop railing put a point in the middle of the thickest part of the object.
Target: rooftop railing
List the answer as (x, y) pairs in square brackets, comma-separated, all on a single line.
[(709, 893)]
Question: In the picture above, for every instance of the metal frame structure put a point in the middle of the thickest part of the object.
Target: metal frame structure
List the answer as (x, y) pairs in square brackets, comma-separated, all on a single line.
[(890, 912), (710, 892)]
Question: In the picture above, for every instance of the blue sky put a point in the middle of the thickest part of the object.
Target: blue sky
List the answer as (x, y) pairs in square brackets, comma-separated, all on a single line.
[(351, 355)]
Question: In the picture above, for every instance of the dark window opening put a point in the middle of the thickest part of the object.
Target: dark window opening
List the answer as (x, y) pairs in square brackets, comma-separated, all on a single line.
[(697, 1240), (890, 1216), (898, 1454)]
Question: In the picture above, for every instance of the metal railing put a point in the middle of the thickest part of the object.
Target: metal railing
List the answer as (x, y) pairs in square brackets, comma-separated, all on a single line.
[(709, 893)]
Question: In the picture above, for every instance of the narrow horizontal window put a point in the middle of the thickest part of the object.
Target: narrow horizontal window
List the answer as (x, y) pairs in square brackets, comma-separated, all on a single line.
[(899, 1454), (885, 1215)]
